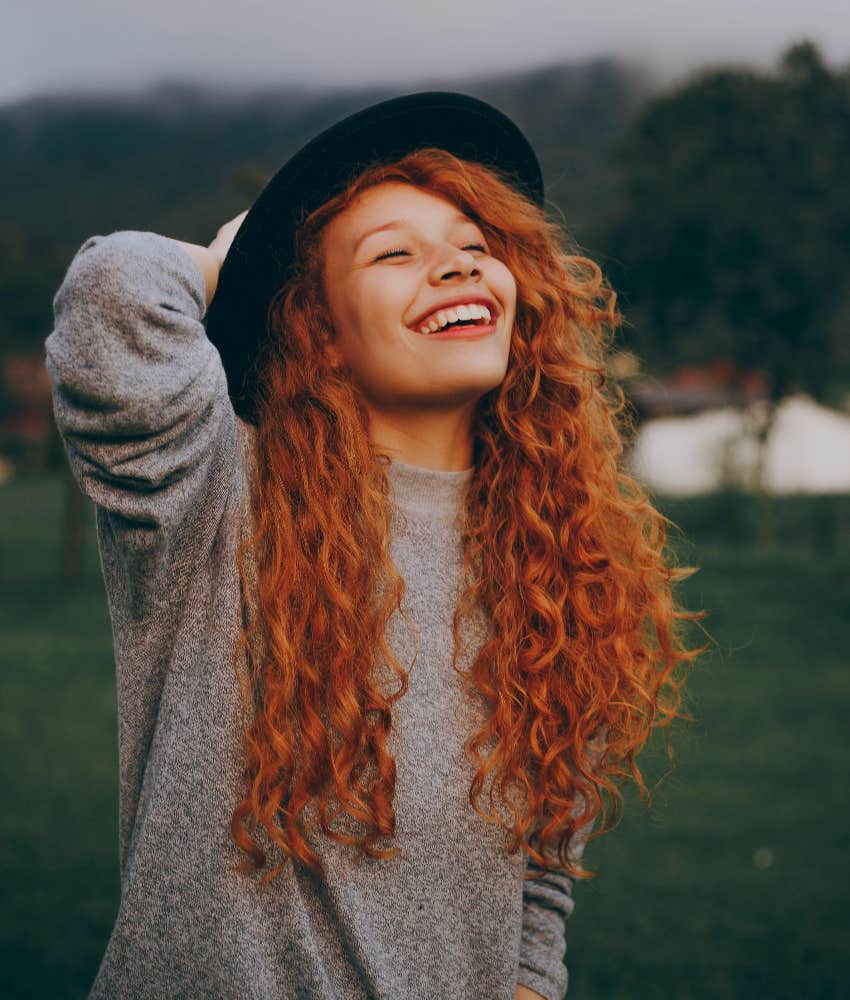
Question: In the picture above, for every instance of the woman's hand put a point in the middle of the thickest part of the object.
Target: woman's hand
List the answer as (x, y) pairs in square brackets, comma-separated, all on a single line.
[(527, 993), (224, 237), (210, 258)]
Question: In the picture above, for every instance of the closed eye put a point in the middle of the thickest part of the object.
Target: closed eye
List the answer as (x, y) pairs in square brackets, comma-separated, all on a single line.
[(398, 250)]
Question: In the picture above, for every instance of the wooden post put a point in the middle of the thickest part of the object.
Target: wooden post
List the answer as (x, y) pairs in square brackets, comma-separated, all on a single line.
[(73, 529)]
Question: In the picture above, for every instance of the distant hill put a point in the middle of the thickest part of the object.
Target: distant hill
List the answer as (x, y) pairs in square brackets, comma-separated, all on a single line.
[(181, 159)]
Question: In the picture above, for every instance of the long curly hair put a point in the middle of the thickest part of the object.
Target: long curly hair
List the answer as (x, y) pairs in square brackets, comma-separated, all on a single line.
[(562, 548)]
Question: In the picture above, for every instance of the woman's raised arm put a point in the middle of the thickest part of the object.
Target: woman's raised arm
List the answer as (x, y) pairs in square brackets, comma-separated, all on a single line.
[(140, 399)]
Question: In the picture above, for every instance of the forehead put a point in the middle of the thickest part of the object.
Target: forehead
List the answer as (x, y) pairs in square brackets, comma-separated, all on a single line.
[(397, 192)]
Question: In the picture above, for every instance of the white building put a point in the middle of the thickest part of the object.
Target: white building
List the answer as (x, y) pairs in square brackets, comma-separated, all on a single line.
[(808, 450)]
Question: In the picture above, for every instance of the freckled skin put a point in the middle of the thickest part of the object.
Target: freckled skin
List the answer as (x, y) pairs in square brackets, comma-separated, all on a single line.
[(420, 394)]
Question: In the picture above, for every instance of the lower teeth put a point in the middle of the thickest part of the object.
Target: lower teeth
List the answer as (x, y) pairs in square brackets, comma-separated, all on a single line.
[(454, 326)]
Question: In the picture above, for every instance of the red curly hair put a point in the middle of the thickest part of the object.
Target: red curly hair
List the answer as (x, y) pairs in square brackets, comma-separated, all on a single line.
[(561, 547)]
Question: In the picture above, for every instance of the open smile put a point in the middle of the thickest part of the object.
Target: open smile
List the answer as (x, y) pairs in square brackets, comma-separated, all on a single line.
[(475, 331), (459, 322)]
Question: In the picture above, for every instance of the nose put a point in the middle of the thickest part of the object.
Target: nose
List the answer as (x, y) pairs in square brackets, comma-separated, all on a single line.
[(453, 262)]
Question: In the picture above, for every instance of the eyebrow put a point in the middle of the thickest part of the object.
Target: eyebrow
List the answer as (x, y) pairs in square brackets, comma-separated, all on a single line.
[(405, 223)]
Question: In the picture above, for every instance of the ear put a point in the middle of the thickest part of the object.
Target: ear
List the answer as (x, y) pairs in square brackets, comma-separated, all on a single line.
[(332, 352)]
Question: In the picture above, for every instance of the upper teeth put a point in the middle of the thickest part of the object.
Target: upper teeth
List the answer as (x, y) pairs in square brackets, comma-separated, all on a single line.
[(445, 316)]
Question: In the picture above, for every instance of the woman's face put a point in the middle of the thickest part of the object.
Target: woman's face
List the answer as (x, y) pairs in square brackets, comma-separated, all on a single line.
[(393, 258)]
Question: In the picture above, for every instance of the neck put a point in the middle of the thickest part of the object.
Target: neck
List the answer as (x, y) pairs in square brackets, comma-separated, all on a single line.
[(437, 440)]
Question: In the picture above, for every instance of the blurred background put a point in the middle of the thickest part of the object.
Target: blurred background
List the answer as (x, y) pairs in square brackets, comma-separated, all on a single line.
[(701, 156)]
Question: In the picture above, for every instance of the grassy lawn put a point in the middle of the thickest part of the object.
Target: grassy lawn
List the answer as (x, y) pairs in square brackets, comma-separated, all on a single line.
[(733, 884)]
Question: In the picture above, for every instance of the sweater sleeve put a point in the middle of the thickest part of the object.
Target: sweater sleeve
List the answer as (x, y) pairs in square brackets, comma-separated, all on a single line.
[(547, 905), (140, 400)]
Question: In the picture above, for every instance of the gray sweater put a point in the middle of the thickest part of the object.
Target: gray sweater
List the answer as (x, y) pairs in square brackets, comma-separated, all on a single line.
[(140, 398)]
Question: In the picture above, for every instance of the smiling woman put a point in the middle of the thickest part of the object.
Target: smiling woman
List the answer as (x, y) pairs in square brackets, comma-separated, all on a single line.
[(365, 580), (382, 283)]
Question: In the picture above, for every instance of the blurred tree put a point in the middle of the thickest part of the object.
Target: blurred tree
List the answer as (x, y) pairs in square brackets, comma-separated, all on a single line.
[(734, 235), (733, 239)]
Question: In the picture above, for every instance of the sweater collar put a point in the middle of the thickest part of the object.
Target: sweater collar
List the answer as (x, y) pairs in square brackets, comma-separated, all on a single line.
[(417, 490)]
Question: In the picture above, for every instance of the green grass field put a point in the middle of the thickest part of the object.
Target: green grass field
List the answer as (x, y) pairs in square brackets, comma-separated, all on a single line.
[(734, 884)]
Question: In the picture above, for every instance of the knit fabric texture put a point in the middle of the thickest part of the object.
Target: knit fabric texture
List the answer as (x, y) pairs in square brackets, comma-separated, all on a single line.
[(140, 399)]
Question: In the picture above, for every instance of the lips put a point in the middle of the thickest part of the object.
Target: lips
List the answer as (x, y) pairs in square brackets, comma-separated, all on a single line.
[(457, 300)]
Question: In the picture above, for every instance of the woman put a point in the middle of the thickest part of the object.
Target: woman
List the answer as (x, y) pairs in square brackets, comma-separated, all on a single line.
[(371, 563)]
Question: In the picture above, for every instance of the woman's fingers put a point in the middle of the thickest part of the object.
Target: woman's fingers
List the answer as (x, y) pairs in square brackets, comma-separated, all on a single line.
[(224, 237)]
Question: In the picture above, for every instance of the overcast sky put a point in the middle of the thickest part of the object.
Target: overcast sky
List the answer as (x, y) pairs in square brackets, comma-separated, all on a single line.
[(119, 44)]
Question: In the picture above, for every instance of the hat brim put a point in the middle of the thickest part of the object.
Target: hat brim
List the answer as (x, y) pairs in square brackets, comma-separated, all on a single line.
[(259, 259)]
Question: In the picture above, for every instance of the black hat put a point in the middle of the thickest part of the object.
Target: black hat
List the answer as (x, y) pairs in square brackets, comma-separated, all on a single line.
[(258, 260)]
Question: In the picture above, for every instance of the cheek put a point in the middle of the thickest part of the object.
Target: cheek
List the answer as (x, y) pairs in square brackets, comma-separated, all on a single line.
[(349, 307), (382, 303), (510, 285), (368, 329), (503, 283)]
